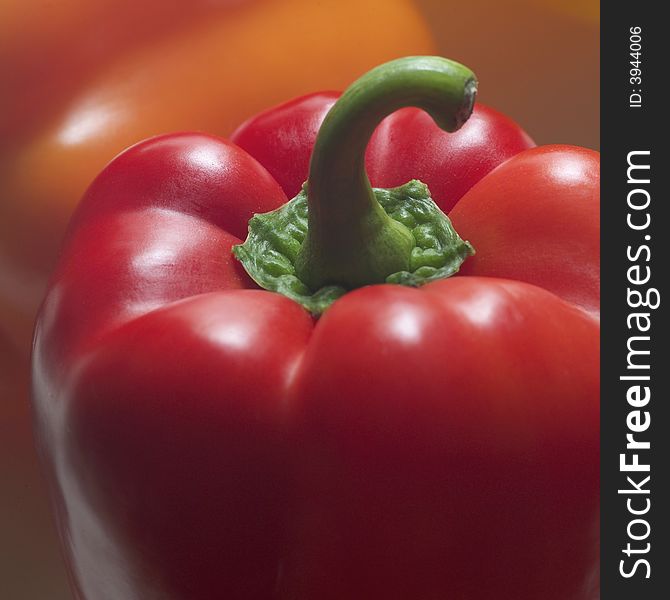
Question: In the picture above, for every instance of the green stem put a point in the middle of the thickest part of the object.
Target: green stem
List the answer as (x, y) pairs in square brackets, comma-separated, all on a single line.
[(350, 240)]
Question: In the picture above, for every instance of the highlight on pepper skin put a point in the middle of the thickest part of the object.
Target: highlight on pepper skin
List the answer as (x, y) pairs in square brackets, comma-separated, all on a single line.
[(435, 434)]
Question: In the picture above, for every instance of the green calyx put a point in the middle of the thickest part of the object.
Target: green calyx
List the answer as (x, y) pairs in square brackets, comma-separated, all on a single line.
[(338, 233), (270, 252)]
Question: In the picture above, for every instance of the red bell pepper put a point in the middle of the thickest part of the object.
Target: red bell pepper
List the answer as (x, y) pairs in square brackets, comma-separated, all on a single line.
[(205, 439)]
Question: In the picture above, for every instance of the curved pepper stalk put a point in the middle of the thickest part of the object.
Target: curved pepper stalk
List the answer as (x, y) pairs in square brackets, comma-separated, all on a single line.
[(339, 233)]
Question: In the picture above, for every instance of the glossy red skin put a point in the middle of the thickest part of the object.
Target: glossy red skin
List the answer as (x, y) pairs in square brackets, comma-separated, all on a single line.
[(539, 205), (204, 440), (406, 145)]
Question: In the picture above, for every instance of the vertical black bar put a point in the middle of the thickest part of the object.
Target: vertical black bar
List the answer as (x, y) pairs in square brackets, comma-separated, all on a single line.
[(635, 540)]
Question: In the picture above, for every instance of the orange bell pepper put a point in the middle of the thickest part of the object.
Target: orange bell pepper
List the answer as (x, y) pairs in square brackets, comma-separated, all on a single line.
[(83, 80)]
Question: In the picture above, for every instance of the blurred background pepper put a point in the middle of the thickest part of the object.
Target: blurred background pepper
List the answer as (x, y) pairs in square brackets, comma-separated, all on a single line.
[(82, 79)]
